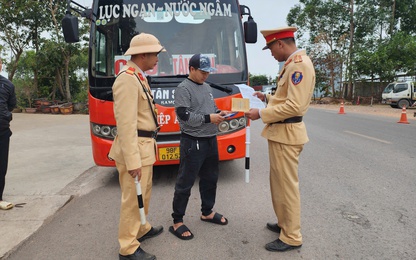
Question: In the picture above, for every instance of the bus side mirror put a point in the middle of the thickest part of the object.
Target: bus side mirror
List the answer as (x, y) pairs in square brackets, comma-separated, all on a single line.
[(250, 26), (70, 28), (250, 30)]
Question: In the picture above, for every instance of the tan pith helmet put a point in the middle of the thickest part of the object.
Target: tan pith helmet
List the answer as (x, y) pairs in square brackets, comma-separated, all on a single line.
[(144, 43)]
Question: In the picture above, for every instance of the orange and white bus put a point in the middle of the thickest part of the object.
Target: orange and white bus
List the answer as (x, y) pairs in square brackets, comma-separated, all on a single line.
[(211, 27)]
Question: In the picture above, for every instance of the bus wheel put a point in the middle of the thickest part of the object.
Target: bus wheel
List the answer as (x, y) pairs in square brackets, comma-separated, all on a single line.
[(403, 103)]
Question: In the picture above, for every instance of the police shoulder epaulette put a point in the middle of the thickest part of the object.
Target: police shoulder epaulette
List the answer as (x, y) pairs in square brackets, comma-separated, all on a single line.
[(130, 71), (297, 58)]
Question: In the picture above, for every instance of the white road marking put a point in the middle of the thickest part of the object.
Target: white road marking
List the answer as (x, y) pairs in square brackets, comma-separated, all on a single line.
[(368, 137)]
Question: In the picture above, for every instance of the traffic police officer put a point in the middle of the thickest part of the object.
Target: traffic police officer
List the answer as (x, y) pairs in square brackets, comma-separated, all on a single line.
[(134, 147), (286, 132)]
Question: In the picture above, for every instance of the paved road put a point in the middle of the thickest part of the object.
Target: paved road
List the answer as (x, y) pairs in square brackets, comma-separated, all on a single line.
[(47, 153), (357, 188)]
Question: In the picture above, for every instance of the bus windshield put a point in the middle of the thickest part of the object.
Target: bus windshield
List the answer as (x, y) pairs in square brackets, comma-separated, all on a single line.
[(210, 27)]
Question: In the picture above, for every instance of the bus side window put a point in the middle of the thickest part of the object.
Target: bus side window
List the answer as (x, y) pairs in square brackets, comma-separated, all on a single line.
[(100, 54)]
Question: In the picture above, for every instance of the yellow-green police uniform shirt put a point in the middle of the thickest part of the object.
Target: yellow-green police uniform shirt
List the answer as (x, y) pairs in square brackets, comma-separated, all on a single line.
[(132, 112), (292, 97)]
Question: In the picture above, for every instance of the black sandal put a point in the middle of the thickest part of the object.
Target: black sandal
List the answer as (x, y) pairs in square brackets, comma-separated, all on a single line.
[(216, 219), (179, 232)]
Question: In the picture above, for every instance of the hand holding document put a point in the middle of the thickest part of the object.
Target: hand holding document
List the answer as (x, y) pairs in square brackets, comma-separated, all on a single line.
[(247, 93), (230, 115), (240, 104), (244, 105)]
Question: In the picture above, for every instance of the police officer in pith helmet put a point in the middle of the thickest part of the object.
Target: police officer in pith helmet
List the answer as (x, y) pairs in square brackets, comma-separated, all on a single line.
[(286, 132), (133, 148)]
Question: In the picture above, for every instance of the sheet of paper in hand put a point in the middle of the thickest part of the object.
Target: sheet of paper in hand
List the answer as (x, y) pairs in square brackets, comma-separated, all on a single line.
[(240, 104), (247, 92)]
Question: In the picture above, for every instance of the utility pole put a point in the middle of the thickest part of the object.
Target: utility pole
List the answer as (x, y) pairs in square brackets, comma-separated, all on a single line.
[(349, 94)]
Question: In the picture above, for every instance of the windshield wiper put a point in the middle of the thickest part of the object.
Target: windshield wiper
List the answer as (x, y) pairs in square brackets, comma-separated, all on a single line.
[(219, 87), (165, 79)]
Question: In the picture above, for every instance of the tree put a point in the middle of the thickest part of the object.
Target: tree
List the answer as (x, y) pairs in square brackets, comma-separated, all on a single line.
[(401, 52), (67, 51), (15, 32), (326, 22), (39, 22), (258, 80), (23, 23), (366, 38), (23, 79), (406, 14)]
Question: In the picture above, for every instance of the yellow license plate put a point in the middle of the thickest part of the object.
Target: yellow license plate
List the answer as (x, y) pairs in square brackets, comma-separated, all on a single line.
[(168, 153)]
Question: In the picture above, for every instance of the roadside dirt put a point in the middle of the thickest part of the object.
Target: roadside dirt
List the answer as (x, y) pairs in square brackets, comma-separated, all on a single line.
[(381, 110)]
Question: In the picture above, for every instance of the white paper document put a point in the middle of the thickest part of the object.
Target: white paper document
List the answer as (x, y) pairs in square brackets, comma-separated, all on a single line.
[(247, 92)]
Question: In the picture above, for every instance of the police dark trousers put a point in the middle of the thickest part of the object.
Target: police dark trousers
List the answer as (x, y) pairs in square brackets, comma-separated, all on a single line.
[(4, 157), (198, 155)]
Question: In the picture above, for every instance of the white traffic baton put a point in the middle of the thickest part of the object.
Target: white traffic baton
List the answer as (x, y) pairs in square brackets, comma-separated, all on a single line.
[(140, 200), (247, 154)]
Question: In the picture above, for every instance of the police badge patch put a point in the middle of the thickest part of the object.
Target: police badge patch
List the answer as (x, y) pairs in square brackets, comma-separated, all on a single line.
[(297, 77)]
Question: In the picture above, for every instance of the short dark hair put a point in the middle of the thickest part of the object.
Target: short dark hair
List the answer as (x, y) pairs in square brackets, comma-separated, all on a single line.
[(289, 40)]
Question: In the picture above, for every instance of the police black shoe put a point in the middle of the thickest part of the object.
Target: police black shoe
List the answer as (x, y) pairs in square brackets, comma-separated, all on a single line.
[(279, 246), (273, 227), (140, 254), (153, 232)]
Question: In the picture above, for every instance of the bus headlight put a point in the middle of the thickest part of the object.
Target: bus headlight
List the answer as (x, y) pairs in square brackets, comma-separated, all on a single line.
[(231, 125), (234, 124), (114, 132), (104, 131), (223, 126), (96, 129)]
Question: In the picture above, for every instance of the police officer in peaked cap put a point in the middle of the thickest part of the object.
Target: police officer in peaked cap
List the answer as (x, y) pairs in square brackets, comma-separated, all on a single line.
[(286, 133)]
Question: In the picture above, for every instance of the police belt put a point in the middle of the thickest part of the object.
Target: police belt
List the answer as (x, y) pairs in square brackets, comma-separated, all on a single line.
[(295, 119), (150, 134)]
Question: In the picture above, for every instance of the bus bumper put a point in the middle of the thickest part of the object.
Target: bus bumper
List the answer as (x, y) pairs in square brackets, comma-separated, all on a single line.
[(100, 149), (231, 146)]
